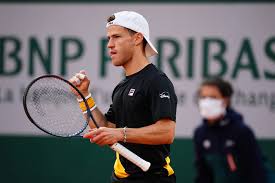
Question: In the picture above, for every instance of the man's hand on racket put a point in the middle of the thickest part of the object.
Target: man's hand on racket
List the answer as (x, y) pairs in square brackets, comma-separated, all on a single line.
[(81, 82), (104, 136)]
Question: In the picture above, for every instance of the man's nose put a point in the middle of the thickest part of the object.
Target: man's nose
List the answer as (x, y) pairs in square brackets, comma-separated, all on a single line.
[(110, 43)]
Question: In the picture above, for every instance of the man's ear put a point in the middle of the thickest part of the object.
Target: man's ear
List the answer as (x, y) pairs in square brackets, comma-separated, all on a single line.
[(138, 38), (226, 101)]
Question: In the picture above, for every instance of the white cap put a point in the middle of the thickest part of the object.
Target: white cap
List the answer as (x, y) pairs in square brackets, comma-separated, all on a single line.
[(137, 23)]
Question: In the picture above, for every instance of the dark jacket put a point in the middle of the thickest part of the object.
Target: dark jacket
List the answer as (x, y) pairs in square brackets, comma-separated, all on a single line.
[(227, 152)]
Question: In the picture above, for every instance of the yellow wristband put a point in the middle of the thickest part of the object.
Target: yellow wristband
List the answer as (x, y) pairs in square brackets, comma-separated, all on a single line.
[(90, 102)]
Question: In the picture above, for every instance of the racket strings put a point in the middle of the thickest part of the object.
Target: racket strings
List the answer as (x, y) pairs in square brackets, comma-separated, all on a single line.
[(54, 108)]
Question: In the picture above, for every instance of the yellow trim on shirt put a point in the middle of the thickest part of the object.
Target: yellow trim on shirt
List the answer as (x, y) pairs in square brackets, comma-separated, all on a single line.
[(119, 169), (168, 167), (121, 173)]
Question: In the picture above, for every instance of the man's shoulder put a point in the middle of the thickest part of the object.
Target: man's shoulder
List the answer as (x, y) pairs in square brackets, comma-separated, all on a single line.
[(201, 128), (156, 75)]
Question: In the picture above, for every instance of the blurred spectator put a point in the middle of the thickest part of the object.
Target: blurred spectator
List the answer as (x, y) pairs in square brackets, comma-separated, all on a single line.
[(226, 148)]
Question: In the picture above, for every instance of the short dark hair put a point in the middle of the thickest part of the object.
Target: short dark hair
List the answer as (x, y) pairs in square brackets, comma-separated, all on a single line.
[(110, 18), (224, 87)]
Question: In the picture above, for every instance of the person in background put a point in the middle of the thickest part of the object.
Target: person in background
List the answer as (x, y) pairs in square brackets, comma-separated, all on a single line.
[(226, 150)]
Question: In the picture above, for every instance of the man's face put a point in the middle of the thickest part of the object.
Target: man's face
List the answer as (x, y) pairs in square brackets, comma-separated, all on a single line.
[(212, 92), (121, 45)]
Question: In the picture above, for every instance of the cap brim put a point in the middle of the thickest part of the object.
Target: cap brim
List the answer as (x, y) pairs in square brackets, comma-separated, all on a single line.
[(150, 50)]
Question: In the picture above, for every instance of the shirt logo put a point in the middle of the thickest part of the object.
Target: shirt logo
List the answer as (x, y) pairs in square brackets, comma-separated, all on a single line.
[(206, 144), (224, 122), (131, 92), (164, 95), (229, 143)]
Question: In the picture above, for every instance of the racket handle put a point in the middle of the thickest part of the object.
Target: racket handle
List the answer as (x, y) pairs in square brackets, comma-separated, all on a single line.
[(126, 153)]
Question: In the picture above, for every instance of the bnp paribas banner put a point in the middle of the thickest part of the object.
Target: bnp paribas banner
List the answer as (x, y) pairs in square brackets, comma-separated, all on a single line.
[(195, 41)]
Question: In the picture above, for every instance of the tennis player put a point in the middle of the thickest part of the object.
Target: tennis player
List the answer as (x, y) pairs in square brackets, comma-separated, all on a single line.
[(142, 115)]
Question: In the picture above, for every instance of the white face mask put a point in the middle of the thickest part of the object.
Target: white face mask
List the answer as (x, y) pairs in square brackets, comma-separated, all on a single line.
[(211, 108)]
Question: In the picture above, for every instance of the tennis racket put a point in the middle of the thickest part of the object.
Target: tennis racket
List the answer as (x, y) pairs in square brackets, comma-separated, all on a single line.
[(50, 104)]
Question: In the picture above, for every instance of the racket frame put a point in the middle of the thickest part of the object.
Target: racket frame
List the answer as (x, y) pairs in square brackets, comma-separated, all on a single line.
[(80, 94)]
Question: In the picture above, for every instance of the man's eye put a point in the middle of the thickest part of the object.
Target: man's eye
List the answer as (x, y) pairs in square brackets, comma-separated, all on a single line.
[(214, 97)]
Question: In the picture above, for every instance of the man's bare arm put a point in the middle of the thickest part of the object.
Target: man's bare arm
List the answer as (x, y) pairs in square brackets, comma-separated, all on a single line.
[(161, 132), (100, 120)]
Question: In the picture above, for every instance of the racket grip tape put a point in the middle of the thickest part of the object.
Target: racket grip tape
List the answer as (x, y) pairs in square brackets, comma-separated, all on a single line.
[(126, 153)]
